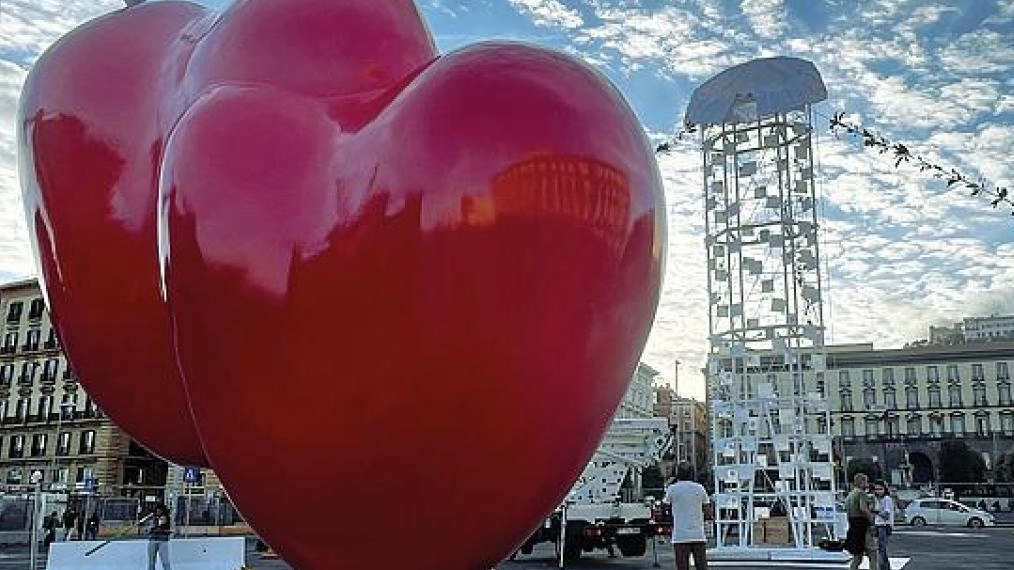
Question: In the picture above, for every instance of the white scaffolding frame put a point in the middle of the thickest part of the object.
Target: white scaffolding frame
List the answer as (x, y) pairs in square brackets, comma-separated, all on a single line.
[(770, 418)]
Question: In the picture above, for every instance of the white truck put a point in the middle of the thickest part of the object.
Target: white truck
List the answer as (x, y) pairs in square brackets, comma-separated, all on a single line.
[(594, 514)]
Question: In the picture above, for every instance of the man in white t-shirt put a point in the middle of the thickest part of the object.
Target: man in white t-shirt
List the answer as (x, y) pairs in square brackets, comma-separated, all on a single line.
[(690, 507)]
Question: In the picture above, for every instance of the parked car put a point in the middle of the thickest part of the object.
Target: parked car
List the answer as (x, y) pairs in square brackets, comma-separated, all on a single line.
[(921, 512)]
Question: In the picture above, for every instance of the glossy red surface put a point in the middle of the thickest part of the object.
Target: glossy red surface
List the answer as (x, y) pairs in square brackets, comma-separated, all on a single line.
[(406, 290), (91, 143)]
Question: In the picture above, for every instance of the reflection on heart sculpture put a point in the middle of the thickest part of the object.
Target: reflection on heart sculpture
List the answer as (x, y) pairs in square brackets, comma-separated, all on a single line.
[(93, 120), (408, 290)]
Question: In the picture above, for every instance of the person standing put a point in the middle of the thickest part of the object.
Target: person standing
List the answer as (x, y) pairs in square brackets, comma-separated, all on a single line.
[(158, 537), (860, 540), (69, 516), (883, 521), (690, 507), (49, 525), (92, 526)]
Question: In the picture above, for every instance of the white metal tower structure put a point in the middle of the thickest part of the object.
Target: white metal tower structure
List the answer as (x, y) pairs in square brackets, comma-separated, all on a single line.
[(771, 445)]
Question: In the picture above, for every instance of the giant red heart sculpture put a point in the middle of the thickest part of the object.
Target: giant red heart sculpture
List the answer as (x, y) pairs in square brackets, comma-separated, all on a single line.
[(95, 113), (405, 290)]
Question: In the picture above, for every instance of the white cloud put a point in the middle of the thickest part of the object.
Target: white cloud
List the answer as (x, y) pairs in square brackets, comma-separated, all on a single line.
[(767, 17), (549, 13), (903, 251)]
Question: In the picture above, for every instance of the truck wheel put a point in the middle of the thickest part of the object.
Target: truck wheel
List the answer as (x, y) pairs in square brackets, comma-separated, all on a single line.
[(632, 545), (572, 549)]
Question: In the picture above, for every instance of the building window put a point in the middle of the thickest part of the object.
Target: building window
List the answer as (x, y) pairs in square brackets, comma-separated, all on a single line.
[(62, 475), (36, 309), (887, 375), (979, 394), (10, 343), (848, 427), (843, 379), (27, 377), (846, 401), (936, 426), (17, 446), (83, 474), (1001, 371), (32, 341), (982, 425), (49, 370), (932, 374), (52, 341), (821, 424), (21, 412), (913, 426), (954, 395), (14, 312), (872, 427), (952, 373), (890, 402), (977, 373), (87, 445), (63, 443), (68, 405), (867, 378), (6, 374), (44, 408), (1003, 390), (820, 387), (38, 445), (958, 424), (910, 378), (3, 409), (869, 397), (1007, 424), (934, 396)]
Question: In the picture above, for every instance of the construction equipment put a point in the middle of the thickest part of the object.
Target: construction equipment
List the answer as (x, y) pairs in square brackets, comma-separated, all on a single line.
[(594, 514)]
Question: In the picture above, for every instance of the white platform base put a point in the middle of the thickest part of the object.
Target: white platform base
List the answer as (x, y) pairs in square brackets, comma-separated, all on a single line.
[(213, 553), (800, 558), (780, 557)]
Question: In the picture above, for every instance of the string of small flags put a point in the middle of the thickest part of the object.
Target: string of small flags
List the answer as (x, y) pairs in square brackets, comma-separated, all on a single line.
[(899, 153)]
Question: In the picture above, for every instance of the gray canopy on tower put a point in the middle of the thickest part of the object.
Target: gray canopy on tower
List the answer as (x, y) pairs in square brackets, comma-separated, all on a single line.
[(756, 89)]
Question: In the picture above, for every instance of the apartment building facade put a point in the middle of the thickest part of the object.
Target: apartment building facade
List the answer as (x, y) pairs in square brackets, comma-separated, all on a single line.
[(688, 419), (896, 406), (49, 424)]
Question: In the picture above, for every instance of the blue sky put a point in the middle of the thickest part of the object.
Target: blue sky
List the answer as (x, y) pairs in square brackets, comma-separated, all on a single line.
[(903, 253)]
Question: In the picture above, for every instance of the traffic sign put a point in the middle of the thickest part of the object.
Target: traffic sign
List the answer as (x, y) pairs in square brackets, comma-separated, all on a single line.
[(191, 474)]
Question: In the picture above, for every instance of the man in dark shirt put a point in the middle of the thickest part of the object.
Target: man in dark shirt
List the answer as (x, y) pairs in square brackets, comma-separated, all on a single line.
[(860, 540)]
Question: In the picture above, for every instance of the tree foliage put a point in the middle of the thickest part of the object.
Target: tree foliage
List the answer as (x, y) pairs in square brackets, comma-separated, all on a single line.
[(1003, 471), (862, 465), (960, 464)]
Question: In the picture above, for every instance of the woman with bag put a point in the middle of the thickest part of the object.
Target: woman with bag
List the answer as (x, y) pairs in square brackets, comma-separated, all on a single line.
[(883, 520)]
